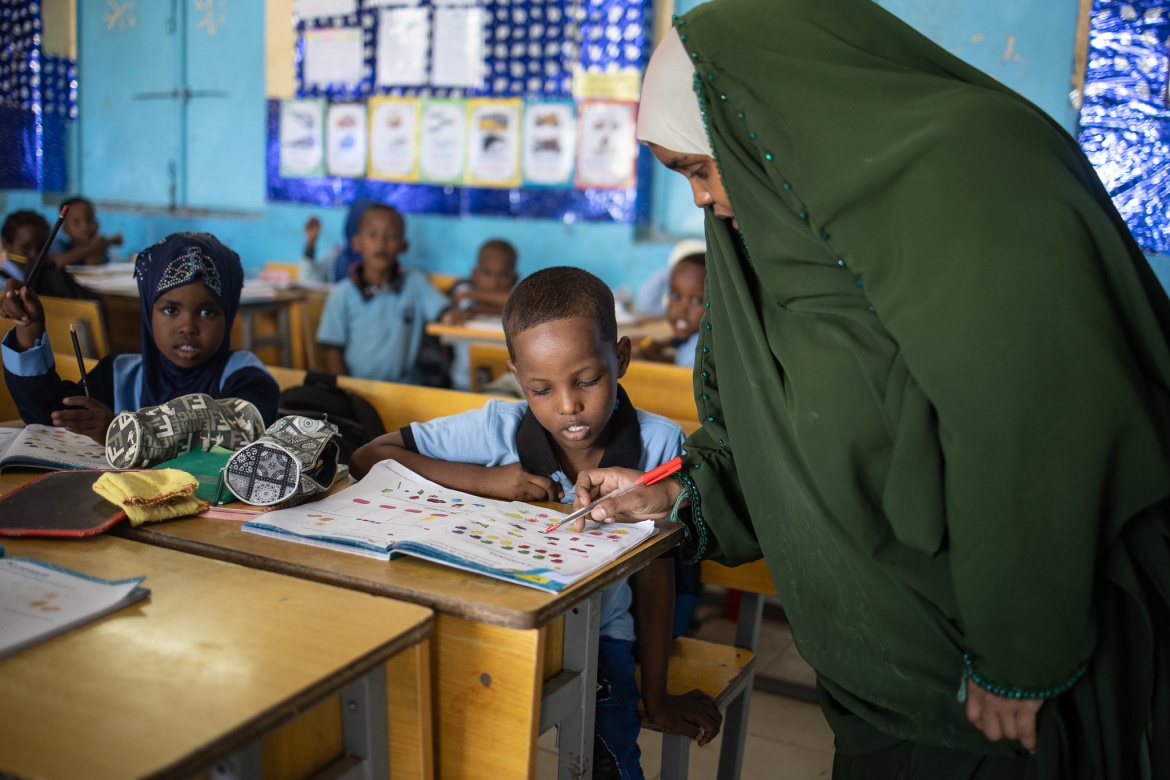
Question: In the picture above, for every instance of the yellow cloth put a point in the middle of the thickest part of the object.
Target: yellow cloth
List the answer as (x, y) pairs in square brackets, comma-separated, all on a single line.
[(151, 495)]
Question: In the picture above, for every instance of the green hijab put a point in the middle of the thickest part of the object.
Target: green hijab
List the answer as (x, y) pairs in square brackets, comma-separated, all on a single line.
[(933, 375)]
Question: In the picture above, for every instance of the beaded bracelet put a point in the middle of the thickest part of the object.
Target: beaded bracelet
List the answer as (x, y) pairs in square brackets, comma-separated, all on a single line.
[(690, 490), (1008, 692)]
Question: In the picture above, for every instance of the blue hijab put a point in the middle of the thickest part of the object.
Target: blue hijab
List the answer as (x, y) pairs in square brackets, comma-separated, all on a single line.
[(347, 257), (179, 259)]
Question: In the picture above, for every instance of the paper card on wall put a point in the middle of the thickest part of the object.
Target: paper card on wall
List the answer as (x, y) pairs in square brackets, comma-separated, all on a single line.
[(333, 57), (394, 138), (457, 55), (403, 34), (493, 143), (345, 140), (376, 3), (624, 84), (317, 9), (302, 134), (548, 147), (442, 141), (606, 146)]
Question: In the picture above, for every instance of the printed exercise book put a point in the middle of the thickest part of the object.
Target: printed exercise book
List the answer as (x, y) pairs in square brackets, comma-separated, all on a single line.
[(39, 600), (45, 447), (392, 510)]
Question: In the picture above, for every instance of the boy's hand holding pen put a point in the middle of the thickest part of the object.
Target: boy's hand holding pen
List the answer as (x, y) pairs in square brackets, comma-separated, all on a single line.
[(603, 494)]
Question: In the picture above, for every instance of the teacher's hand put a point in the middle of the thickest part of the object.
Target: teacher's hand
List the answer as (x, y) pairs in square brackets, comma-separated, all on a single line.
[(650, 502), (999, 718)]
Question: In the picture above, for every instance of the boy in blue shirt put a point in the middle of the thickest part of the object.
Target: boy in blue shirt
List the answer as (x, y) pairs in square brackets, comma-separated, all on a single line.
[(373, 322), (561, 333)]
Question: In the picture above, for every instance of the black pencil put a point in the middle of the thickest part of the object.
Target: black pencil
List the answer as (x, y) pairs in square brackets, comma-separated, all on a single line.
[(80, 362), (31, 276)]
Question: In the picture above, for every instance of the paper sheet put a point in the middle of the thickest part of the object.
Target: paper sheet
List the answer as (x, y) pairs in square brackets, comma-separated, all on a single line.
[(403, 34), (302, 138), (333, 57), (606, 146), (442, 141), (317, 9), (457, 57), (549, 143), (345, 140), (494, 139), (394, 138)]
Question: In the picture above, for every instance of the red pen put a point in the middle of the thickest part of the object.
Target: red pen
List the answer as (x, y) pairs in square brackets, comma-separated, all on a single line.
[(649, 478)]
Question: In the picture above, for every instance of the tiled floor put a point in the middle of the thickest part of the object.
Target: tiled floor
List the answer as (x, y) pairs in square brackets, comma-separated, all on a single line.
[(787, 739)]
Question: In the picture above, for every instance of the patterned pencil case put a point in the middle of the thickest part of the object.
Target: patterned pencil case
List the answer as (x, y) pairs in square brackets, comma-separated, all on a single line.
[(191, 422), (294, 459)]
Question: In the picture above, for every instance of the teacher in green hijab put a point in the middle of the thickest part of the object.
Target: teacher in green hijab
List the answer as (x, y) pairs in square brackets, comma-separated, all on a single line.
[(934, 387)]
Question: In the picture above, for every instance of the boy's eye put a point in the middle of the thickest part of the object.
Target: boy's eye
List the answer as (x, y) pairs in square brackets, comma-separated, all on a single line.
[(541, 392), (589, 382), (696, 301)]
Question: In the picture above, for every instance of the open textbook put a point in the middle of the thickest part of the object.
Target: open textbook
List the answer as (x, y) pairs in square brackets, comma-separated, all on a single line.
[(392, 510), (39, 600), (45, 447)]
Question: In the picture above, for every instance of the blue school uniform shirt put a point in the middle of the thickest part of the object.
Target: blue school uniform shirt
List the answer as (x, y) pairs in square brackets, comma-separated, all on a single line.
[(380, 329), (504, 432), (684, 353), (116, 381)]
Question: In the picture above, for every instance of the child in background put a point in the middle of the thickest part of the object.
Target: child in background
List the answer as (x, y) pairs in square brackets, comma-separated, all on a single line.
[(372, 325), (684, 310), (650, 300), (485, 293), (561, 332), (190, 286), (81, 243), (334, 266), (21, 239)]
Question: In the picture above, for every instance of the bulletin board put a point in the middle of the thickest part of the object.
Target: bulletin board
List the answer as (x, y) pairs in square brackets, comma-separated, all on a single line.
[(464, 107), (1125, 113)]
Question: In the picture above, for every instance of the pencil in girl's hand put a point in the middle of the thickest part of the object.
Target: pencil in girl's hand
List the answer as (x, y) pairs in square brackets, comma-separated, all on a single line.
[(649, 478), (31, 276), (80, 362)]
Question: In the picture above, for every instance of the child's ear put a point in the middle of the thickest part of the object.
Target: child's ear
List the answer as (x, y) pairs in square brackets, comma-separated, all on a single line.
[(512, 368), (405, 246), (623, 356)]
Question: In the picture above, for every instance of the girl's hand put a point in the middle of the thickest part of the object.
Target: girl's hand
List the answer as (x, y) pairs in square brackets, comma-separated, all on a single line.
[(512, 482), (92, 419), (650, 502), (694, 715), (999, 718), (21, 305)]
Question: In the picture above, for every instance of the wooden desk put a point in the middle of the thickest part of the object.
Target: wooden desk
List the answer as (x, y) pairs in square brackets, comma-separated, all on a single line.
[(492, 689), (217, 658), (656, 327)]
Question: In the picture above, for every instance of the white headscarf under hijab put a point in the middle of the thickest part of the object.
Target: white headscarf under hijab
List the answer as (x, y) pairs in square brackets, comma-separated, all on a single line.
[(668, 113)]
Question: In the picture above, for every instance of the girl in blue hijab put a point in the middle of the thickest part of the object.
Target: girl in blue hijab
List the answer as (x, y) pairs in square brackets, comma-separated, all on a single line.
[(190, 287)]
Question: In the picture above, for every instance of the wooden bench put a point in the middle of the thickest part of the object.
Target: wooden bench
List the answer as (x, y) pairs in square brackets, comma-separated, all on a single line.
[(397, 404), (656, 387), (726, 672)]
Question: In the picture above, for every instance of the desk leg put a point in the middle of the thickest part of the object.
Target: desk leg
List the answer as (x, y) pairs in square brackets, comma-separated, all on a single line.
[(576, 693), (364, 724), (285, 330), (487, 698), (248, 327)]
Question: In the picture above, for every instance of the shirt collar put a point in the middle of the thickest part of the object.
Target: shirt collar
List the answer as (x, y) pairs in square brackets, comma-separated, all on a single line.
[(537, 456)]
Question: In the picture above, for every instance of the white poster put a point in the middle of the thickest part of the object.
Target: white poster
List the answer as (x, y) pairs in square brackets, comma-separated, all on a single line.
[(333, 57), (493, 149), (548, 149), (302, 133), (403, 34), (394, 138), (606, 147), (442, 141), (317, 9), (345, 140), (457, 55)]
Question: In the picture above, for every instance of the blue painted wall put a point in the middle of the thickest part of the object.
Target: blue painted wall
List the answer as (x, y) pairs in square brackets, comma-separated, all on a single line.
[(1027, 44)]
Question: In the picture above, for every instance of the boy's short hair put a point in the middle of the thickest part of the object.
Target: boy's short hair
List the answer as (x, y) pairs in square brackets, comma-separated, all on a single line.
[(698, 258), (78, 199), (559, 293), (500, 245), (18, 219), (393, 212)]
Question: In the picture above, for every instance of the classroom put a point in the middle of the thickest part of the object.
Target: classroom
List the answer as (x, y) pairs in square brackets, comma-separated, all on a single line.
[(294, 226)]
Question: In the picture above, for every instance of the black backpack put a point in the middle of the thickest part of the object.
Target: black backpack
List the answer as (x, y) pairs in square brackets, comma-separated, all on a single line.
[(320, 398)]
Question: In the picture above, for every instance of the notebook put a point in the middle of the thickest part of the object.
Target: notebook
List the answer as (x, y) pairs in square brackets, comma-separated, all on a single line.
[(39, 600), (45, 447), (394, 511)]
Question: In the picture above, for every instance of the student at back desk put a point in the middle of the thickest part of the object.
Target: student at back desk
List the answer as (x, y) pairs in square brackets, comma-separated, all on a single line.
[(485, 293), (373, 323), (561, 332), (190, 286)]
